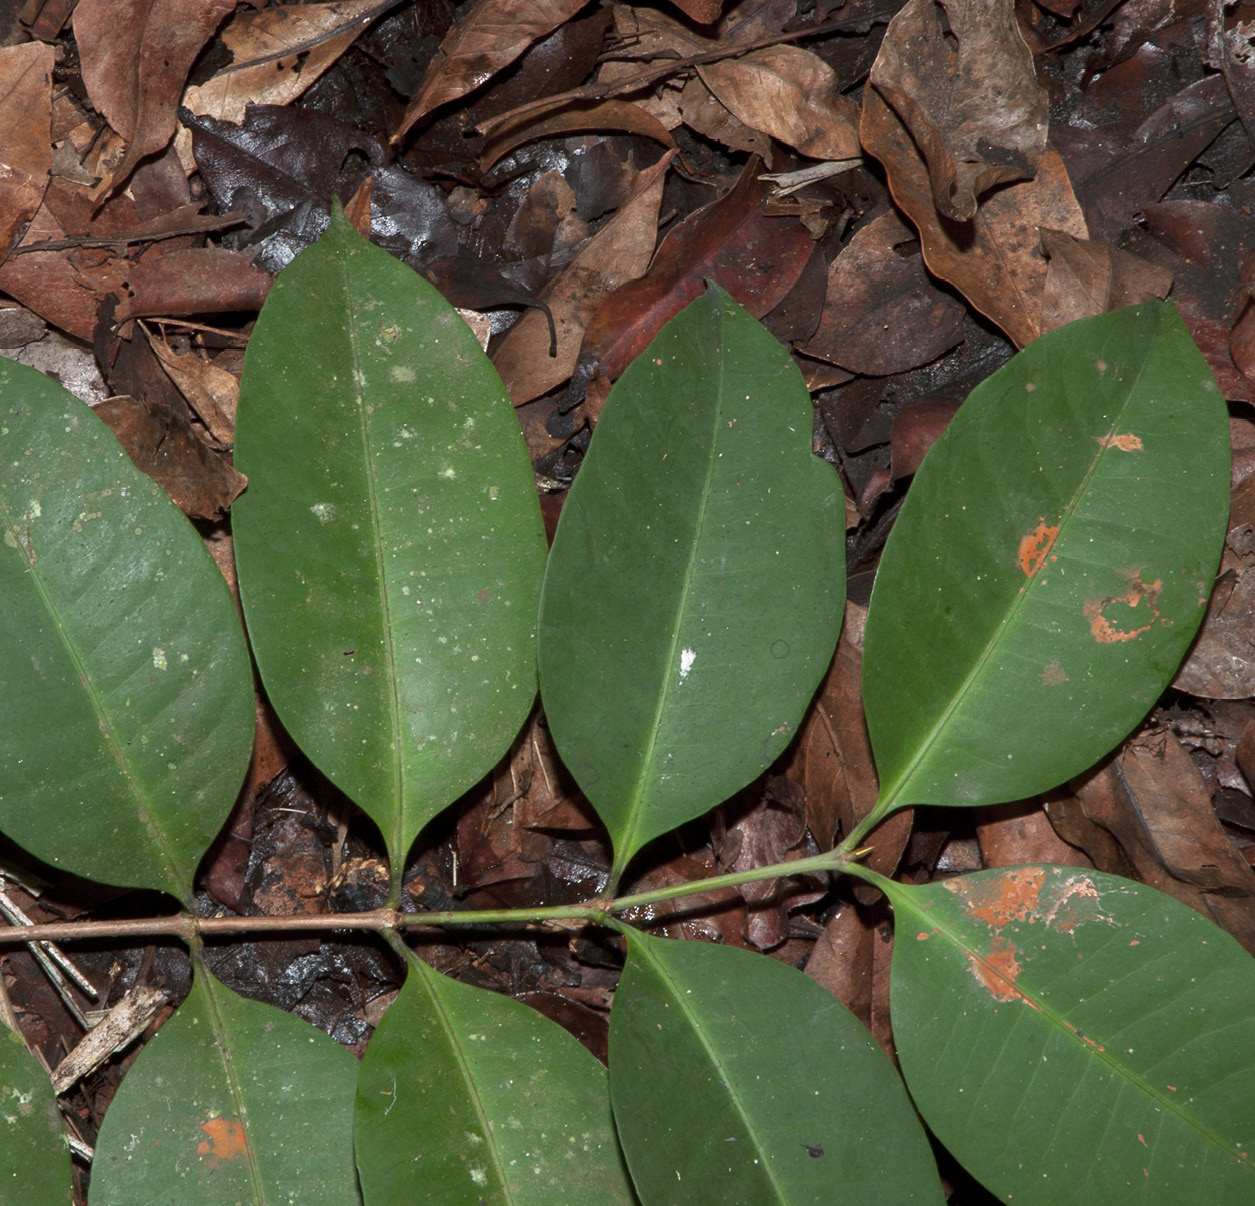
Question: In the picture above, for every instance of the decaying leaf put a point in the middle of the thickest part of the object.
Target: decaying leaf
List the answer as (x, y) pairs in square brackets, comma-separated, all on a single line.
[(136, 55), (995, 260), (619, 252), (26, 118), (791, 94), (882, 314), (279, 52), (960, 78), (491, 36), (1085, 278), (757, 258)]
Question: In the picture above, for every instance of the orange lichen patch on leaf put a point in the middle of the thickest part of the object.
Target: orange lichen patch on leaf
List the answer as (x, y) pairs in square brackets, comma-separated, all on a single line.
[(1052, 674), (1105, 631), (1124, 442), (1035, 547), (1012, 896), (1028, 894), (998, 971), (224, 1140)]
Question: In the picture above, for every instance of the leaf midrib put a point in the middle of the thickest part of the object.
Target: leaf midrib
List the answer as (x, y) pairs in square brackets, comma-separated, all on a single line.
[(725, 1077), (396, 839), (647, 777)]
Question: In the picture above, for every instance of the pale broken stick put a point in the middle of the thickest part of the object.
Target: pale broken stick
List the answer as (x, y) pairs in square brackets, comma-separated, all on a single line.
[(117, 1028)]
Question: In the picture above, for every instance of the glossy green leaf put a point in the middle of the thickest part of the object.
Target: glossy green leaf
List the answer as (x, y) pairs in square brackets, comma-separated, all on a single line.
[(469, 1097), (737, 1079), (695, 588), (233, 1101), (1051, 564), (34, 1157), (124, 678), (390, 547), (1076, 1039)]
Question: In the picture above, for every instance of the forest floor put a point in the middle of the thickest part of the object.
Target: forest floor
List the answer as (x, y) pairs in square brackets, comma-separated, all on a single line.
[(904, 196)]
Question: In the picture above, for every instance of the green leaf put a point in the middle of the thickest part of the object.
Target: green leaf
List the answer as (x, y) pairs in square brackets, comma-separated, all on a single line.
[(34, 1157), (695, 588), (233, 1101), (1076, 1038), (1051, 564), (127, 693), (737, 1079), (390, 546), (469, 1097)]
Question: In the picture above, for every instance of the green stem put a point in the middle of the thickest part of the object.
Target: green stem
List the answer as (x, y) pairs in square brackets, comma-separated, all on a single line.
[(386, 921)]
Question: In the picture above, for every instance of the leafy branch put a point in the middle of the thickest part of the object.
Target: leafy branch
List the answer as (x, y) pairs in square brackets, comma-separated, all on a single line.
[(1057, 1029)]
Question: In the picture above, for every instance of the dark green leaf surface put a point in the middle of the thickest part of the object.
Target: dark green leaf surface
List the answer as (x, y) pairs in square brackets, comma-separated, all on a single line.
[(695, 588), (124, 678), (1051, 564), (34, 1157), (389, 545), (737, 1079), (469, 1097), (1076, 1039), (235, 1102)]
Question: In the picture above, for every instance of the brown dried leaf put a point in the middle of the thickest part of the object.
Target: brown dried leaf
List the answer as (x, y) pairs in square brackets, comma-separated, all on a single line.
[(491, 36), (618, 253), (791, 94), (755, 257), (136, 55), (163, 445), (1085, 278), (50, 282), (568, 118), (192, 280), (701, 11), (916, 428), (834, 760), (882, 315), (212, 392), (995, 260), (26, 119), (960, 77), (278, 53), (1010, 834), (1152, 799), (1221, 664)]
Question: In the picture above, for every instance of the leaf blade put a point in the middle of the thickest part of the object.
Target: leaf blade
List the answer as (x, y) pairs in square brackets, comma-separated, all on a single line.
[(502, 1105), (1029, 1002), (217, 1107), (736, 1079), (34, 1157), (124, 666), (694, 591), (390, 546), (1026, 613)]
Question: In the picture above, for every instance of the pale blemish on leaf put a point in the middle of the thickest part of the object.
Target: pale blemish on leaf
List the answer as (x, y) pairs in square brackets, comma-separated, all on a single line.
[(225, 1140), (1036, 546), (1125, 442), (1052, 674), (324, 512), (687, 657), (1106, 629)]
